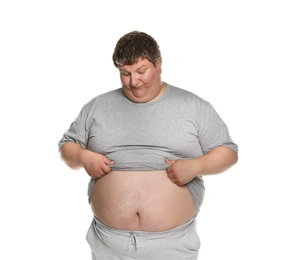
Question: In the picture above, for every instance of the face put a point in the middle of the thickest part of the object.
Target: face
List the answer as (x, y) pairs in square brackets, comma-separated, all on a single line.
[(141, 81)]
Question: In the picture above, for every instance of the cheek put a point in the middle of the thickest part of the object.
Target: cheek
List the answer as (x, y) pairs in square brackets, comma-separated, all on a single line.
[(149, 78), (124, 80)]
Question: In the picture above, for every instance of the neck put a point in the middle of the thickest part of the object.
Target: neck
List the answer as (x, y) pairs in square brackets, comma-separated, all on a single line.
[(162, 91)]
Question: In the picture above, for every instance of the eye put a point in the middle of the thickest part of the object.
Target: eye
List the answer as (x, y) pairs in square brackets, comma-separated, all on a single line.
[(124, 73), (141, 71)]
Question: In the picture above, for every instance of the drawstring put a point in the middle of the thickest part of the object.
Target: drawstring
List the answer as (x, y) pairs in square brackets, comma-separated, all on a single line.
[(133, 240)]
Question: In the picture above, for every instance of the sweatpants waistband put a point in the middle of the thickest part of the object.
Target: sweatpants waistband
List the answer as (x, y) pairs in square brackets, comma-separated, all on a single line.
[(146, 234), (181, 242)]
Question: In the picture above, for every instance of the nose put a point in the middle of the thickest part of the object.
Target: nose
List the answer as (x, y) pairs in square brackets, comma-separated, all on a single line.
[(134, 79)]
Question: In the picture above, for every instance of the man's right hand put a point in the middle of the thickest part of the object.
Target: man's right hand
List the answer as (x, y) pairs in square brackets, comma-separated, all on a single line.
[(95, 164), (76, 157)]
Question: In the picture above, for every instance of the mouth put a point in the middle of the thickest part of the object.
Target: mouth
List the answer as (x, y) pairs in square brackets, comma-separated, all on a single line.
[(136, 87)]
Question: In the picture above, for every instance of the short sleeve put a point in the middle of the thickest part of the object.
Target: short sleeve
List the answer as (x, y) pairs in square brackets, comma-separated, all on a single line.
[(213, 130), (77, 132)]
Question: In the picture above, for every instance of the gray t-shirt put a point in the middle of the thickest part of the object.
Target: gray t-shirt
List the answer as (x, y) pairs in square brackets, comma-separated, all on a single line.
[(138, 136)]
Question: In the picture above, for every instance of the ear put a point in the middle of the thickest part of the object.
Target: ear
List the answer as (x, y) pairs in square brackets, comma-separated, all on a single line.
[(159, 62), (159, 65)]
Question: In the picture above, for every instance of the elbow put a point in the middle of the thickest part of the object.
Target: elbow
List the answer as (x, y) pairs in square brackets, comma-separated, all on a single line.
[(66, 154), (235, 158), (70, 163), (232, 157)]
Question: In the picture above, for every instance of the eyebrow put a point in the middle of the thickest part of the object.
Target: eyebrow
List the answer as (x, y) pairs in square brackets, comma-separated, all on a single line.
[(141, 67)]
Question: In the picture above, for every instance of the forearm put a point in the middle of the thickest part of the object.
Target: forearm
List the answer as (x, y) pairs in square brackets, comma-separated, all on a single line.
[(216, 161), (71, 154)]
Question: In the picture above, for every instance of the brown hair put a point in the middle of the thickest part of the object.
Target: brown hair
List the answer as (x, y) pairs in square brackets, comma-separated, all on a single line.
[(135, 45)]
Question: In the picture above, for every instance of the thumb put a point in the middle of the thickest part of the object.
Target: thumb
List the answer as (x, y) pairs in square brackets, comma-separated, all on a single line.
[(108, 161), (169, 161)]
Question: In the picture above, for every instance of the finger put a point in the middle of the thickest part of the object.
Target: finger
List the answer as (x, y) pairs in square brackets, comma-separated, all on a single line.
[(106, 169), (169, 170), (96, 175), (108, 161), (100, 173), (166, 160), (174, 180), (169, 175)]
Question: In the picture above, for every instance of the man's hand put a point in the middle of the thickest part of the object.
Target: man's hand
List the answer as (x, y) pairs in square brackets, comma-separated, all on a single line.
[(216, 161), (95, 164), (180, 172)]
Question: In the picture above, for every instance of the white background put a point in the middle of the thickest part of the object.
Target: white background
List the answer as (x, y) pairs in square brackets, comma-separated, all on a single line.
[(56, 55)]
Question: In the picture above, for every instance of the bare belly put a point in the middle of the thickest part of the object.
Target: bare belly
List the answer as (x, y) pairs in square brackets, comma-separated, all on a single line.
[(146, 201)]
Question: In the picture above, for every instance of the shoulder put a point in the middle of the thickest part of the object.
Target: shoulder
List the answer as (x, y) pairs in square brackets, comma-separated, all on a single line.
[(105, 99), (110, 95), (185, 96)]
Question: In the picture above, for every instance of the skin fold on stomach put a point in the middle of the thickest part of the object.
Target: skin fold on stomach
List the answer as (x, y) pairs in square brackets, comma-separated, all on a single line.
[(146, 201)]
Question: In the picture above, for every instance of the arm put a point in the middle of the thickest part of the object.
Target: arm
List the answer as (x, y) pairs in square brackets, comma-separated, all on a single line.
[(76, 157), (216, 161)]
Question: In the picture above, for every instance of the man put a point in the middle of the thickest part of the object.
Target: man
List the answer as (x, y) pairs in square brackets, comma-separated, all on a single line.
[(146, 146)]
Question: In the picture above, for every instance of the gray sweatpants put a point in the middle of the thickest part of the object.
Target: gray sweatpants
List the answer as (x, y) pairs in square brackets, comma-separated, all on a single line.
[(178, 243)]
